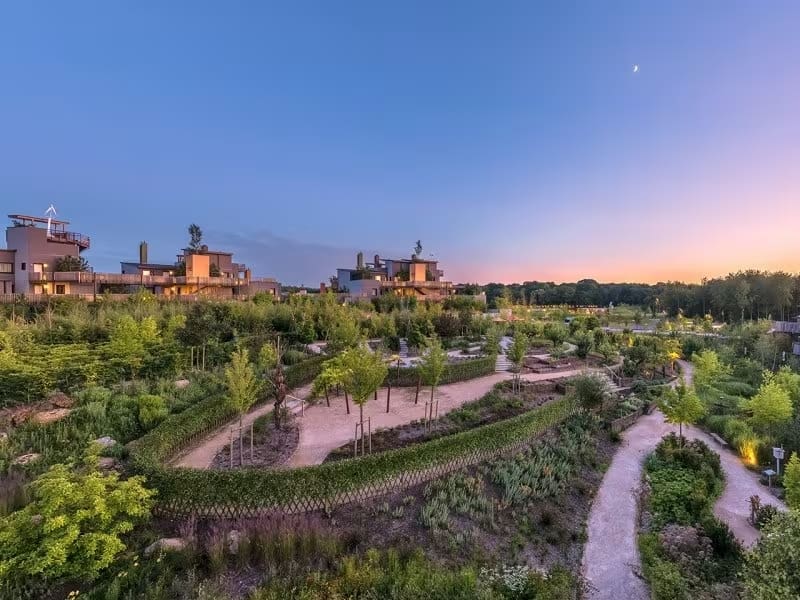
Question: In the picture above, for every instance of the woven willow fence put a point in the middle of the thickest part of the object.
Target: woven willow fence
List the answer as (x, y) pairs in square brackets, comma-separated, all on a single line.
[(250, 492)]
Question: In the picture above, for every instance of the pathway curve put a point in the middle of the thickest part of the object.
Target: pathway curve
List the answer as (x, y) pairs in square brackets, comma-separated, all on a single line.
[(611, 563), (323, 428)]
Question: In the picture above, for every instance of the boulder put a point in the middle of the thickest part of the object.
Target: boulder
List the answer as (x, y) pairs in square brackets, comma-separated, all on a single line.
[(106, 463), (165, 545), (106, 441), (234, 537), (25, 459), (50, 416), (182, 383), (60, 400)]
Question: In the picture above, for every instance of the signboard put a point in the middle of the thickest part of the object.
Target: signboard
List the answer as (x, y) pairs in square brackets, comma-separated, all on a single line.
[(777, 453)]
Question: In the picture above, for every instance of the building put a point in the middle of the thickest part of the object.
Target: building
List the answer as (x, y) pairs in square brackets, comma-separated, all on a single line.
[(793, 329), (412, 277), (43, 258)]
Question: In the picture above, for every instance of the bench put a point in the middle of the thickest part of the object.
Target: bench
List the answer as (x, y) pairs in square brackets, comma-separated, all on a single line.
[(719, 440)]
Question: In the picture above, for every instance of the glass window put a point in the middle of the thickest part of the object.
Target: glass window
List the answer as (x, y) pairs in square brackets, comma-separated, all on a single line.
[(6, 267)]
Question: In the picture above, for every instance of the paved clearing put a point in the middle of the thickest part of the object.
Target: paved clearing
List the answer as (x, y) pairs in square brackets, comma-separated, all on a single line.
[(611, 562), (323, 429)]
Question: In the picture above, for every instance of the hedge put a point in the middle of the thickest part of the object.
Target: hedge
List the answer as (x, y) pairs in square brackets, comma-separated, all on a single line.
[(178, 430), (247, 490), (453, 372)]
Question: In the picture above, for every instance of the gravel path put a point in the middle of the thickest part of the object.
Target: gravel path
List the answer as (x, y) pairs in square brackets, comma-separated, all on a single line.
[(323, 429), (611, 563)]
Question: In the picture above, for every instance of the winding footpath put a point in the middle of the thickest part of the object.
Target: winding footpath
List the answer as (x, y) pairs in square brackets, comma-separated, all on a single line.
[(323, 428), (611, 562)]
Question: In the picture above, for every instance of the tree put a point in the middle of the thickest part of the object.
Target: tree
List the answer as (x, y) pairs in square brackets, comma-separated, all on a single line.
[(681, 405), (556, 333), (242, 386), (770, 407), (71, 263), (791, 481), (418, 249), (364, 372), (432, 365), (584, 341), (72, 527), (195, 237), (592, 389), (344, 334), (708, 368), (772, 569), (516, 354)]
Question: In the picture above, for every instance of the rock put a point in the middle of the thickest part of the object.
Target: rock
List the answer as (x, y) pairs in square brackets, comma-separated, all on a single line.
[(182, 383), (50, 416), (234, 537), (60, 400), (106, 441), (106, 463), (165, 545), (25, 459), (37, 519), (3, 437)]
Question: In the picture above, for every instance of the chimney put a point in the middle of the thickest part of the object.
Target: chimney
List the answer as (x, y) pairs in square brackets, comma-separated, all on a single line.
[(377, 261), (143, 253), (360, 260)]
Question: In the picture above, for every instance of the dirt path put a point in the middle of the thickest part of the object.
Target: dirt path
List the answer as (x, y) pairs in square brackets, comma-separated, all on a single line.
[(611, 561), (323, 429)]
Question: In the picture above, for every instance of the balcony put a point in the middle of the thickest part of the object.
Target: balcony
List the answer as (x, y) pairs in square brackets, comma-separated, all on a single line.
[(431, 285), (140, 280), (70, 237), (786, 327)]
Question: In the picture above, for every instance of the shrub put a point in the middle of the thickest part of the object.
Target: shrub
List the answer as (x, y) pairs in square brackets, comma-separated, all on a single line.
[(592, 389), (152, 410), (772, 569), (72, 527)]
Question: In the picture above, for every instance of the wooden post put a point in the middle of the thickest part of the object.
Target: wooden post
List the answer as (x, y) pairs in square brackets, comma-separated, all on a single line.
[(416, 398), (369, 425), (388, 395), (376, 394), (355, 441), (347, 402), (251, 442), (327, 397), (230, 444), (241, 448)]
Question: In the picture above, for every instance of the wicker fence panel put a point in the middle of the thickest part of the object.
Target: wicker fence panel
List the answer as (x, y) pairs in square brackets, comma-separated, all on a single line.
[(252, 507)]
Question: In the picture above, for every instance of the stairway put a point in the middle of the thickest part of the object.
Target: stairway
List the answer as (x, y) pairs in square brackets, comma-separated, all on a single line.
[(502, 364), (403, 348)]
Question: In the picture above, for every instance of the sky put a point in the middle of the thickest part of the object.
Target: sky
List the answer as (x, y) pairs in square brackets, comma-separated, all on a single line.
[(514, 139)]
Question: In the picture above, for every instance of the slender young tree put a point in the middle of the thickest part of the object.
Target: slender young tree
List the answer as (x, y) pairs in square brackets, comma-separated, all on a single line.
[(242, 385), (516, 354), (681, 405), (195, 237), (432, 365)]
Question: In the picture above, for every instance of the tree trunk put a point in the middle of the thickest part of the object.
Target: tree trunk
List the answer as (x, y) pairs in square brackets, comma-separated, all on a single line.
[(327, 397), (361, 417), (347, 402), (241, 449), (433, 388)]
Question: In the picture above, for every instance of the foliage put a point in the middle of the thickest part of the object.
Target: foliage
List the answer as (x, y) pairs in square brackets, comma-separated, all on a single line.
[(71, 263), (152, 410), (681, 406), (772, 568), (771, 406), (791, 481), (434, 359), (72, 527), (708, 368), (584, 342), (592, 389), (556, 333), (195, 237), (241, 382)]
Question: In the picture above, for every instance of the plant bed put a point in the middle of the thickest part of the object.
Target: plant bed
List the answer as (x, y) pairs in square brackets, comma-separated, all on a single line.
[(271, 447), (497, 405), (529, 508)]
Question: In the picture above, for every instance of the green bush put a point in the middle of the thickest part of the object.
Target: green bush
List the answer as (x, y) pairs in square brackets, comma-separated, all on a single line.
[(453, 372), (152, 410)]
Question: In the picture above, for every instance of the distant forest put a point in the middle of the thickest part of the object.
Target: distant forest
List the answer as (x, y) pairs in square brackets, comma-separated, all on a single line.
[(738, 296)]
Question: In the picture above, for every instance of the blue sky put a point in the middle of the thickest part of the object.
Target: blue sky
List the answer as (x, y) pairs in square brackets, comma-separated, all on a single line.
[(512, 138)]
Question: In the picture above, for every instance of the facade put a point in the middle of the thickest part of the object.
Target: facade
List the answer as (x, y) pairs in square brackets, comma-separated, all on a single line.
[(793, 329), (411, 277), (43, 258)]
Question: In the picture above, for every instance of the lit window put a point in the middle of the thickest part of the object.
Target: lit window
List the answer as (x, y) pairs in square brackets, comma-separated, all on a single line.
[(6, 267)]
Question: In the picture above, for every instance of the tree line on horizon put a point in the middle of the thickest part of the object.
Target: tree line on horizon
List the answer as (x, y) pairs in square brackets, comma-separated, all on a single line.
[(744, 295)]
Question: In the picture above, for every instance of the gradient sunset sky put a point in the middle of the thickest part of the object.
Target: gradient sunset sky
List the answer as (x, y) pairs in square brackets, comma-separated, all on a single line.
[(513, 138)]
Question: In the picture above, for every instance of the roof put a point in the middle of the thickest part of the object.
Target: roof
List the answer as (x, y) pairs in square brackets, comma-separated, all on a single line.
[(33, 219), (136, 263)]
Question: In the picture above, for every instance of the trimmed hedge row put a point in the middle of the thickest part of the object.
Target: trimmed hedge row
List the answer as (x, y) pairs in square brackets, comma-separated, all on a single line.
[(178, 430), (453, 372), (201, 490)]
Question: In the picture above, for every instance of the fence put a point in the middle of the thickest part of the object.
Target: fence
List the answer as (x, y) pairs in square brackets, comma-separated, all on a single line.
[(252, 492)]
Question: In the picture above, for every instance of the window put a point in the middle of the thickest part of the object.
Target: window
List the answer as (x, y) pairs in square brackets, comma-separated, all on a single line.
[(6, 267), (22, 266), (61, 288)]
